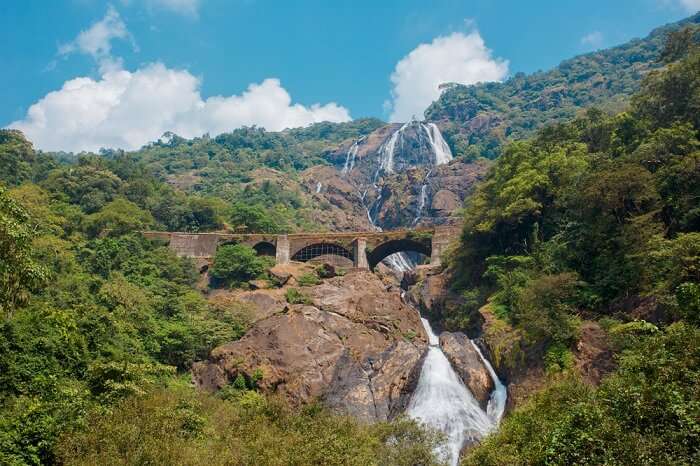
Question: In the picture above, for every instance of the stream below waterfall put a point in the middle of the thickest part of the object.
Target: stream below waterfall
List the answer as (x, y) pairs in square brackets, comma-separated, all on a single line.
[(442, 401)]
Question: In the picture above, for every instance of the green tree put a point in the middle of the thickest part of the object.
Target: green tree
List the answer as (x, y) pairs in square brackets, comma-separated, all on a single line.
[(235, 264), (16, 157), (19, 273), (255, 218), (119, 217)]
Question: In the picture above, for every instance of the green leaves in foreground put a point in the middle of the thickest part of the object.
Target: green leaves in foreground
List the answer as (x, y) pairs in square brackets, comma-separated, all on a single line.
[(647, 413), (178, 426)]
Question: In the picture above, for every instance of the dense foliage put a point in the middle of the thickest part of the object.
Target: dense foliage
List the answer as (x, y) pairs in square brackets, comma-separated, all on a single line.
[(586, 220), (646, 413), (99, 326), (479, 119), (179, 427)]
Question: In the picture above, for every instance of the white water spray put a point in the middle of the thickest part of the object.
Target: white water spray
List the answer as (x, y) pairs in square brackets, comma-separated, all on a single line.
[(442, 151), (318, 187), (387, 150), (497, 401), (442, 401)]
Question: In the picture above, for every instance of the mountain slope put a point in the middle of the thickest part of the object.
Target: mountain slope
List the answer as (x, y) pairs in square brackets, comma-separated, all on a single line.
[(478, 119)]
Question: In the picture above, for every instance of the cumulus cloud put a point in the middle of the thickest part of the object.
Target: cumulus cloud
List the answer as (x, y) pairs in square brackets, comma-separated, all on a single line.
[(458, 57), (96, 41), (593, 39), (125, 109)]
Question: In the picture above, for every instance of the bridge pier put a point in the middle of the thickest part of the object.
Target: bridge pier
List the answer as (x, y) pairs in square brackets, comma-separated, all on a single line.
[(359, 253), (282, 253), (440, 242)]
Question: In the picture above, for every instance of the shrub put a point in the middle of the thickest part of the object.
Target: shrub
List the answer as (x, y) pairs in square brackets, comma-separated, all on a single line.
[(178, 426), (308, 279), (235, 264), (294, 296)]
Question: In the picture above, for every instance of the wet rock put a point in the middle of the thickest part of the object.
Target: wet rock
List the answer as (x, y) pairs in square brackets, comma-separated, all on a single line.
[(468, 364)]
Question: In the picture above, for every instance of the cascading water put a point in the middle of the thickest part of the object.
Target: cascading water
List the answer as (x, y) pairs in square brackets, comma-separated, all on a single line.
[(318, 187), (387, 150), (442, 401), (499, 395), (442, 151), (421, 203), (351, 155)]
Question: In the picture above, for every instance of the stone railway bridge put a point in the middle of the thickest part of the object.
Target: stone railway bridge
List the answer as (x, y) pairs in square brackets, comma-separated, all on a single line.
[(364, 248)]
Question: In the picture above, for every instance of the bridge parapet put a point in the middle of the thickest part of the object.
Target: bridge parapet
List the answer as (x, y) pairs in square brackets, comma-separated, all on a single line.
[(364, 248)]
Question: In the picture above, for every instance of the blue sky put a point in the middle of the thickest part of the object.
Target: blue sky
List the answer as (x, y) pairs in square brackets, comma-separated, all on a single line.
[(307, 60)]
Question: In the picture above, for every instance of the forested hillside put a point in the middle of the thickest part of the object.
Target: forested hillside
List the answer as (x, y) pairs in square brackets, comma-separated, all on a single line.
[(597, 222), (99, 328), (477, 120)]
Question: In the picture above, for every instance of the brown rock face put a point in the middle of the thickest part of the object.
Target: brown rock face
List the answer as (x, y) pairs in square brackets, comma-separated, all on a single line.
[(593, 356), (445, 202), (357, 347), (467, 363)]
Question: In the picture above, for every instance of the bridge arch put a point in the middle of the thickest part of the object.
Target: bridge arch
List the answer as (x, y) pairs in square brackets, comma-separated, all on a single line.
[(314, 250), (265, 248), (384, 250)]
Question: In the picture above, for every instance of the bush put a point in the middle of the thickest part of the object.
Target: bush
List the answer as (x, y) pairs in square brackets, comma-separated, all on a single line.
[(294, 296), (235, 264), (545, 309), (645, 413), (308, 279), (178, 426)]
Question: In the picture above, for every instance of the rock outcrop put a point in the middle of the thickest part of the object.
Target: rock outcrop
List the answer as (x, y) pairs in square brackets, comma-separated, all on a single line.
[(468, 364), (356, 346)]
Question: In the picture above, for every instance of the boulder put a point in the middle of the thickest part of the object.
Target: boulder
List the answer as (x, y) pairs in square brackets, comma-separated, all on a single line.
[(350, 348), (468, 364), (280, 277), (259, 284), (326, 270), (446, 202)]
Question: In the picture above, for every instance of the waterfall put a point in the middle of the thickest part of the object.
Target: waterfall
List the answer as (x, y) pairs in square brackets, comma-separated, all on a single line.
[(421, 203), (497, 401), (441, 400), (387, 150), (351, 155), (442, 151), (318, 187)]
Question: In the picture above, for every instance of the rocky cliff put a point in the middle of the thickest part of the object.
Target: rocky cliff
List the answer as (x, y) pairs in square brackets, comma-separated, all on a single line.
[(356, 346)]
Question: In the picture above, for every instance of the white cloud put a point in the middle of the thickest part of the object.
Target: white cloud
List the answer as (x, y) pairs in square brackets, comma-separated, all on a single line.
[(96, 41), (126, 109), (593, 39), (460, 58), (691, 6)]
